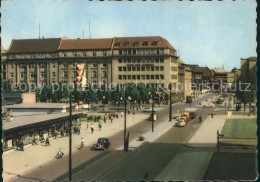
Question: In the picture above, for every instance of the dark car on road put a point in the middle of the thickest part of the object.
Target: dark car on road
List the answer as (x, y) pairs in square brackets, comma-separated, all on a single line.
[(193, 115), (102, 144)]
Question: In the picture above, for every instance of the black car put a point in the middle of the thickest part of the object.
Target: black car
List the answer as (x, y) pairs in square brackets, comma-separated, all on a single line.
[(102, 144), (193, 115)]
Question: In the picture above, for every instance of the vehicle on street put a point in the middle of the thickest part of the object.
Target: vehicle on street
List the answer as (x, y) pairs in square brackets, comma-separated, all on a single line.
[(102, 144), (209, 105), (193, 115), (181, 123), (220, 101), (175, 116), (188, 99), (147, 109), (186, 115)]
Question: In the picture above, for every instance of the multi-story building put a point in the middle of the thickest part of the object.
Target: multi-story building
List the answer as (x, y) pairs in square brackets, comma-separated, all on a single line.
[(248, 71), (233, 76), (111, 60)]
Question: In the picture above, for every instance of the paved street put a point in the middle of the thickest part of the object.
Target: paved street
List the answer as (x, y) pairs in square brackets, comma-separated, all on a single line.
[(52, 169)]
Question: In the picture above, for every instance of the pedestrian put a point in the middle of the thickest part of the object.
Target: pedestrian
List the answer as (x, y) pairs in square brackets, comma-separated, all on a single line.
[(47, 141), (105, 121), (38, 139), (99, 126), (117, 115), (61, 133), (128, 111), (111, 119), (109, 116), (211, 115), (21, 145), (92, 128), (33, 140)]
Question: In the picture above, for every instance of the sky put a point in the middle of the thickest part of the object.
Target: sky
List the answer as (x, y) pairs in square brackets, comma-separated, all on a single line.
[(213, 34)]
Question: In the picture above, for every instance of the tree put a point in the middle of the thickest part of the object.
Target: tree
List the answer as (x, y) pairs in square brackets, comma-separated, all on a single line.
[(77, 94), (246, 95), (103, 93), (7, 87), (117, 96), (89, 95), (44, 94)]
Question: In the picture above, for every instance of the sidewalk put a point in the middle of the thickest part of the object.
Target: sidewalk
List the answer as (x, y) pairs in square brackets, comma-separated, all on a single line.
[(19, 162), (207, 133)]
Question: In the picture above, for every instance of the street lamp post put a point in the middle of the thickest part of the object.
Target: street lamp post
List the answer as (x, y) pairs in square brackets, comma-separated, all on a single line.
[(125, 142), (218, 136), (70, 139), (152, 111), (170, 109), (125, 125), (104, 97)]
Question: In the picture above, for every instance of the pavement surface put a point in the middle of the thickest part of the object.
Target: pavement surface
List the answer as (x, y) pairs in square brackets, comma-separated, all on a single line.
[(207, 133), (30, 165)]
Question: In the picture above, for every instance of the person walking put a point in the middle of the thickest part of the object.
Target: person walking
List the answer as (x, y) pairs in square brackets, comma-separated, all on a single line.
[(111, 119), (105, 120), (92, 128), (61, 133), (21, 145), (99, 126), (37, 139), (82, 141), (47, 141)]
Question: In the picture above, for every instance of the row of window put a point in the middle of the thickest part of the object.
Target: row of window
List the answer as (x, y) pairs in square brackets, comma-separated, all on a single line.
[(140, 51), (42, 65), (145, 43), (64, 74), (84, 54), (142, 60), (140, 77), (32, 55), (142, 68)]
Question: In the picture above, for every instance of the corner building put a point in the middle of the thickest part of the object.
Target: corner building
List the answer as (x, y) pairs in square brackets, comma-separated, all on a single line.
[(107, 60)]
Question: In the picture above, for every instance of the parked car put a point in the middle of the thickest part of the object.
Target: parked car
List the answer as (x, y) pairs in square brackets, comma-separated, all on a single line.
[(209, 105), (102, 144), (147, 109)]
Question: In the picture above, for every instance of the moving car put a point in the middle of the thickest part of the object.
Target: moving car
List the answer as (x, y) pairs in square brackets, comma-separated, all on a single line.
[(193, 115), (175, 116), (186, 115), (147, 109), (181, 123), (102, 144)]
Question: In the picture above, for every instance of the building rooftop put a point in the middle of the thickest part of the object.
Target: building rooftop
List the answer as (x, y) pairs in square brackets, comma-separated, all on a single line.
[(192, 66), (141, 42), (250, 58), (84, 44), (34, 45), (219, 70), (40, 106), (201, 69), (23, 121)]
